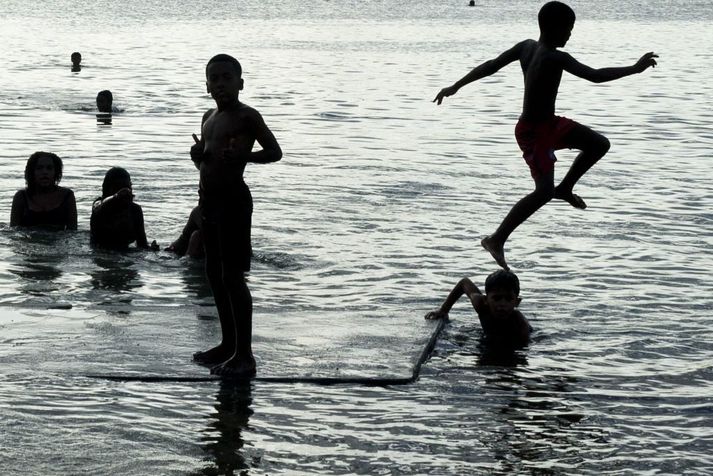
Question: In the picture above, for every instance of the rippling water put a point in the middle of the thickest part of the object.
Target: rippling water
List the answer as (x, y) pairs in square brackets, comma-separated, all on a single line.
[(377, 207)]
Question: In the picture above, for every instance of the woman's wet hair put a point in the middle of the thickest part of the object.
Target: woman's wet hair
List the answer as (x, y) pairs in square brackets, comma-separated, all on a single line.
[(114, 176), (32, 164)]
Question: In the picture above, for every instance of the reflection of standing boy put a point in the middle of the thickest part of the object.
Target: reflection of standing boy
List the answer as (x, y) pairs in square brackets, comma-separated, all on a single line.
[(228, 134), (539, 132)]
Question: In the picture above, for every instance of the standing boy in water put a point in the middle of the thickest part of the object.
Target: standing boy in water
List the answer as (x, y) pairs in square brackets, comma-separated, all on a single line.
[(228, 133), (539, 132)]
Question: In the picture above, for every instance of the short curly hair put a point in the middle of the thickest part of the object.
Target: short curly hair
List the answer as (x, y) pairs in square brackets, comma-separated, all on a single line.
[(502, 279), (554, 16)]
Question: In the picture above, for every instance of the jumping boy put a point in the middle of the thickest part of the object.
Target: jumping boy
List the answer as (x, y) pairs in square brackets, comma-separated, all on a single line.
[(228, 133), (539, 132), (497, 310)]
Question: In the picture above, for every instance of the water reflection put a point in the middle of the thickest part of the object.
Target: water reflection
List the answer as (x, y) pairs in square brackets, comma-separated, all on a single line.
[(195, 280), (223, 436), (40, 265), (104, 118), (537, 422), (115, 273)]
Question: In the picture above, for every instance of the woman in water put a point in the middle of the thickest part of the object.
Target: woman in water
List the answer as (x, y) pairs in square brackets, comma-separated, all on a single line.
[(43, 203)]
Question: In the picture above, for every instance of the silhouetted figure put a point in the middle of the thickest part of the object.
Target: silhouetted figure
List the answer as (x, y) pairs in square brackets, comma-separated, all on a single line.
[(228, 134), (76, 60), (105, 107), (503, 324), (539, 131), (190, 242), (43, 203), (471, 3), (105, 101), (116, 220)]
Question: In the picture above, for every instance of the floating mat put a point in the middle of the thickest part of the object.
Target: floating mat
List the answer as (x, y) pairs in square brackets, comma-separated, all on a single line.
[(157, 345)]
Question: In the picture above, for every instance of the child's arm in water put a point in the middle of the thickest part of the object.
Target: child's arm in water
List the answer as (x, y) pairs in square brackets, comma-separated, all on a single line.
[(485, 69), (464, 286), (603, 75), (141, 240)]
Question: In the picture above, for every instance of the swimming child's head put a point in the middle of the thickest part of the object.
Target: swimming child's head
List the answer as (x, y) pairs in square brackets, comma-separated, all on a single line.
[(556, 21), (502, 292), (223, 75), (43, 169), (76, 58), (115, 179), (104, 100)]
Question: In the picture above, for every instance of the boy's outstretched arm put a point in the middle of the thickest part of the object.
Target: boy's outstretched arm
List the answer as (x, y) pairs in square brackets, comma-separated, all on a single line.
[(464, 286), (485, 69), (603, 75)]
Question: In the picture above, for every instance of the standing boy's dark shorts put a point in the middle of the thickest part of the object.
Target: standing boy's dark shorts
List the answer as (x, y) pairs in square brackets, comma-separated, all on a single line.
[(539, 141), (226, 227)]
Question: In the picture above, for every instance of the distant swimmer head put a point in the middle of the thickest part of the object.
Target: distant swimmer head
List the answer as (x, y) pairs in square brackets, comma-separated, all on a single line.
[(556, 21), (43, 170), (76, 59), (115, 179), (223, 75), (104, 101)]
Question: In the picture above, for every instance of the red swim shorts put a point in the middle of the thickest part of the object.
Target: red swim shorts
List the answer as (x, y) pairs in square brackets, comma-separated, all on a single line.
[(539, 141)]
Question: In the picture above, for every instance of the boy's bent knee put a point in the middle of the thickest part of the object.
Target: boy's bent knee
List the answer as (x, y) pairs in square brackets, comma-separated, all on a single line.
[(603, 145)]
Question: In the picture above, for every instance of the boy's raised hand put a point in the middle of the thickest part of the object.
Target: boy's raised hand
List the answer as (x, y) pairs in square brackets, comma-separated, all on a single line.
[(445, 92), (646, 61), (196, 149)]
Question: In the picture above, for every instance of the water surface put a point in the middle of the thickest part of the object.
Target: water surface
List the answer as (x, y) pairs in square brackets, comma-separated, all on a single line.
[(377, 208)]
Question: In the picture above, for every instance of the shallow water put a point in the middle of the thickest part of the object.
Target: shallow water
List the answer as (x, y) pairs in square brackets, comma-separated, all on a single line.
[(376, 209)]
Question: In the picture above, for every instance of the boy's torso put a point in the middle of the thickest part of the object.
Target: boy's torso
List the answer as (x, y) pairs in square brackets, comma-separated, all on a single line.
[(225, 130), (542, 70)]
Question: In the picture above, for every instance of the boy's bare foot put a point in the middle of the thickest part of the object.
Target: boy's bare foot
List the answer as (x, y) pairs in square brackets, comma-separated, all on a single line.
[(496, 251), (236, 368), (214, 356), (571, 198)]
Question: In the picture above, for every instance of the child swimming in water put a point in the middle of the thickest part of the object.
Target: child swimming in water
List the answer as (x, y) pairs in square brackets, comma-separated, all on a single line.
[(117, 221), (503, 324)]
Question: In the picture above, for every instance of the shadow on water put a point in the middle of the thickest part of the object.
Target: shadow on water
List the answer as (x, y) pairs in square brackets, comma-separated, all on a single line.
[(222, 439), (194, 278), (104, 119), (41, 255), (533, 411), (114, 277)]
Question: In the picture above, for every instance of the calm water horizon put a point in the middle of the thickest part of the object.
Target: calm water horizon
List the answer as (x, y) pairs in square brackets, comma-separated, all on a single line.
[(374, 213)]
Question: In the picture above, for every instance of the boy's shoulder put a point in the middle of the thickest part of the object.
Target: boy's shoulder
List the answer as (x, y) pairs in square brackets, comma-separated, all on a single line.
[(241, 111)]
